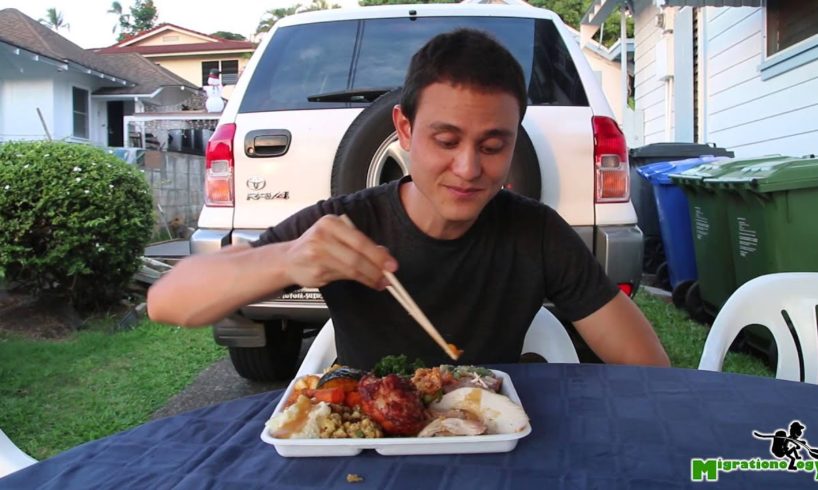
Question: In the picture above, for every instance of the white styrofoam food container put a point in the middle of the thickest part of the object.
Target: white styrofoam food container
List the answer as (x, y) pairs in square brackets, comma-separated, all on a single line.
[(394, 446)]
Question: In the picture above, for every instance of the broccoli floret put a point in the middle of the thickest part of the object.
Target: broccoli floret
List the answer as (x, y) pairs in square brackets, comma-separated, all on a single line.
[(397, 365)]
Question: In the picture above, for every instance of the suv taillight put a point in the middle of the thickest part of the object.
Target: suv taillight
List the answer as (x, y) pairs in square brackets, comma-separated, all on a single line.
[(611, 170), (219, 167)]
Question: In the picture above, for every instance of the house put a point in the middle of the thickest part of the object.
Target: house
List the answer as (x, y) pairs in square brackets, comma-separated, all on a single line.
[(189, 54), (739, 73), (50, 87), (607, 65)]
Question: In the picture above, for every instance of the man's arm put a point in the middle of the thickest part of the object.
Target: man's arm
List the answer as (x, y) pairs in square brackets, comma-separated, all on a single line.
[(620, 334), (202, 289)]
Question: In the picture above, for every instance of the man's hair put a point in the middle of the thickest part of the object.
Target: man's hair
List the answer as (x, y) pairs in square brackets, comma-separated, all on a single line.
[(464, 57)]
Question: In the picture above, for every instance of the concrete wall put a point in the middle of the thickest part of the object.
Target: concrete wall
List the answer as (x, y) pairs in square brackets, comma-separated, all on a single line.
[(177, 181)]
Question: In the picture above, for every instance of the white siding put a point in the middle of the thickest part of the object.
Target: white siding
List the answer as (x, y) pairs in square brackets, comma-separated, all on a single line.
[(744, 113), (63, 105), (650, 91), (26, 86), (20, 99)]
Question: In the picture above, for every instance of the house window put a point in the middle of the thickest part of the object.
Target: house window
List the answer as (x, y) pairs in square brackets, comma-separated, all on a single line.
[(790, 22), (229, 69), (80, 108)]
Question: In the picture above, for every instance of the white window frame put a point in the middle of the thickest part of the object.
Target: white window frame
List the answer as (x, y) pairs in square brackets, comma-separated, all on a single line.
[(221, 69), (787, 59), (87, 114)]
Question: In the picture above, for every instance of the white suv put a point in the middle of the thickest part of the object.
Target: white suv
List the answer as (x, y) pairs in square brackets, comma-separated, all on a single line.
[(311, 118)]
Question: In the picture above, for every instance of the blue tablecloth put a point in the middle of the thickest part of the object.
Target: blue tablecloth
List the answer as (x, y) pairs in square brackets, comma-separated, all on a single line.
[(594, 426)]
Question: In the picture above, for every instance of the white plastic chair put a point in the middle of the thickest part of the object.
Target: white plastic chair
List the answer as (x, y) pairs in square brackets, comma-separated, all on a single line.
[(11, 457), (546, 336), (772, 301)]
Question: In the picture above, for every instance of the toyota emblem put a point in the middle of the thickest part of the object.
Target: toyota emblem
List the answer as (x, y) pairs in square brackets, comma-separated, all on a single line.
[(256, 183)]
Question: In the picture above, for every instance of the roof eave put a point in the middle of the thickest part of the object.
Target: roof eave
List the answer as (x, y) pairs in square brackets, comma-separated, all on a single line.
[(64, 65)]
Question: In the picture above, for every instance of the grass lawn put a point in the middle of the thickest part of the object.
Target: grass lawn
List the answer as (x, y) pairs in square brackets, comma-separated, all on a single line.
[(683, 338), (55, 395)]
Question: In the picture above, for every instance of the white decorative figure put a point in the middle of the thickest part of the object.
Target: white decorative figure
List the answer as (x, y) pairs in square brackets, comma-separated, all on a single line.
[(213, 89)]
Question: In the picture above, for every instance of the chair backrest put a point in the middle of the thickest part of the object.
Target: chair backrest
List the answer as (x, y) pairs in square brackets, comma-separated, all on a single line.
[(546, 336), (11, 457), (784, 303)]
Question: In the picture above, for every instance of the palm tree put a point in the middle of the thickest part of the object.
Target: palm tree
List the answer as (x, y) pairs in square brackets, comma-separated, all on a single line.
[(274, 15), (320, 5), (123, 20), (54, 20)]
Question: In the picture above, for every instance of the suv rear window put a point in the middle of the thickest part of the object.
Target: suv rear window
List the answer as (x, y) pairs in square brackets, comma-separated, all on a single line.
[(299, 62)]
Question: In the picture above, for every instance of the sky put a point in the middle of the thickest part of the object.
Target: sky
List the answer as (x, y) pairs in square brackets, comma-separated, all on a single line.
[(90, 25)]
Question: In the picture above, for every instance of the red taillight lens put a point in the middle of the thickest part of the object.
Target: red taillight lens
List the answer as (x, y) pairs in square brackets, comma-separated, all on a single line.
[(611, 170), (626, 288), (219, 167)]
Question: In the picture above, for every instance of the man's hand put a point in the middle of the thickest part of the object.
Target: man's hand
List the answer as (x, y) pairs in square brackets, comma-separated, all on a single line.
[(331, 250), (620, 334)]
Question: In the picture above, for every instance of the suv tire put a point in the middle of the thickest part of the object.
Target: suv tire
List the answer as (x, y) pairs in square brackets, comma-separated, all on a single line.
[(277, 360), (370, 154)]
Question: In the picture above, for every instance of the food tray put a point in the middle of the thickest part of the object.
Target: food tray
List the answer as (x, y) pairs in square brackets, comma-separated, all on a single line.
[(395, 446)]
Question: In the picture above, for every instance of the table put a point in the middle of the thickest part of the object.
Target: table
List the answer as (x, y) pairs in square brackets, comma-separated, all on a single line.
[(594, 426)]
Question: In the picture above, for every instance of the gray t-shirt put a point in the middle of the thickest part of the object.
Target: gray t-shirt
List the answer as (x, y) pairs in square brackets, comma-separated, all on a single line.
[(480, 290)]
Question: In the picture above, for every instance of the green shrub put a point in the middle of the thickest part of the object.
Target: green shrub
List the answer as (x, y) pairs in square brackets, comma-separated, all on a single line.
[(73, 221)]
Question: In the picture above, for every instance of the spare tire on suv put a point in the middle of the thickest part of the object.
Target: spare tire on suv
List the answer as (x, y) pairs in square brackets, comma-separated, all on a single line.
[(370, 154)]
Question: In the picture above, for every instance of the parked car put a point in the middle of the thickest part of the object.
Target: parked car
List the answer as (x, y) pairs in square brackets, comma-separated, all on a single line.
[(311, 118)]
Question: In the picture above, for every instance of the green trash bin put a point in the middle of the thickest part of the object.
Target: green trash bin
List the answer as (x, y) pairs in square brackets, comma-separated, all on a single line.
[(770, 210), (771, 224), (711, 239)]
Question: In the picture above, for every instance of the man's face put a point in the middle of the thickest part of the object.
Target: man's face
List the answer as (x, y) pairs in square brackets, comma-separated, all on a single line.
[(460, 145)]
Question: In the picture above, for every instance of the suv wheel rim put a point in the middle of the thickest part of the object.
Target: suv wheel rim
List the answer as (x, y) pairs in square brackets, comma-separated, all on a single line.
[(390, 162)]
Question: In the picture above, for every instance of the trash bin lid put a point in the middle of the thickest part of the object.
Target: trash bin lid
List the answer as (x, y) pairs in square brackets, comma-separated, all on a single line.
[(677, 151), (719, 167), (778, 175), (659, 173)]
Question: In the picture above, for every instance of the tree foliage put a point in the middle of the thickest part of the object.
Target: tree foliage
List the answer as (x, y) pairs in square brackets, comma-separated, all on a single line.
[(571, 12), (54, 20), (230, 36), (274, 15), (142, 17)]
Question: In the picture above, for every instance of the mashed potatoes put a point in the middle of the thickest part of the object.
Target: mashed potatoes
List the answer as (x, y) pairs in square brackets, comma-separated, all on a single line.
[(301, 420)]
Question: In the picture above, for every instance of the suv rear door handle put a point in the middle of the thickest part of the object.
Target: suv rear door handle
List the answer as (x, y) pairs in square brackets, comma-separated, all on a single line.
[(264, 143)]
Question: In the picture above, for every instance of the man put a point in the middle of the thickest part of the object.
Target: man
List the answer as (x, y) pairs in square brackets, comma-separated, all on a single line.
[(478, 260)]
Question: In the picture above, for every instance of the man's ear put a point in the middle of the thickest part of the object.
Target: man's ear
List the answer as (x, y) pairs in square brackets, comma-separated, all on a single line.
[(402, 126)]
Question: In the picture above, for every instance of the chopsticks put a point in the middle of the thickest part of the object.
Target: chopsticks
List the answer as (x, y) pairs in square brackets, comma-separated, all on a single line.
[(402, 296)]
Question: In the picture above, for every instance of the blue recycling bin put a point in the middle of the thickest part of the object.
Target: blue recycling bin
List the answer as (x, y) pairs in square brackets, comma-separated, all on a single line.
[(674, 221)]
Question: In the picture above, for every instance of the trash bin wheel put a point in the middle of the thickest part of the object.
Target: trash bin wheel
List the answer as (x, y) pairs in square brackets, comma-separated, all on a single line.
[(695, 305), (680, 293), (663, 276)]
